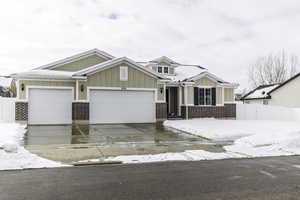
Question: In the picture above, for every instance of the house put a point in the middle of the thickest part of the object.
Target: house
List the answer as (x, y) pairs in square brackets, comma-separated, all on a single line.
[(259, 95), (5, 86), (285, 94), (95, 87)]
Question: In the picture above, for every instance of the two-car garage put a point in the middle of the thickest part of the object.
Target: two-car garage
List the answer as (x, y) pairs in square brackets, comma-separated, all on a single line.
[(118, 106), (54, 106)]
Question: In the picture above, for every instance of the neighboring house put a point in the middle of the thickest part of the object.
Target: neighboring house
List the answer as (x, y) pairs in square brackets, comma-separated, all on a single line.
[(259, 95), (95, 87), (285, 94), (5, 87)]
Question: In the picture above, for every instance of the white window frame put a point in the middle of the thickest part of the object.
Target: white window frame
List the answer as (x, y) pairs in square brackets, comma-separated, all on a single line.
[(166, 67), (123, 73), (163, 69)]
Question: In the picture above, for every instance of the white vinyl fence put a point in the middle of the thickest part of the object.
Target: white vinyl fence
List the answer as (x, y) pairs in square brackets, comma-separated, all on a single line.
[(266, 112), (7, 109)]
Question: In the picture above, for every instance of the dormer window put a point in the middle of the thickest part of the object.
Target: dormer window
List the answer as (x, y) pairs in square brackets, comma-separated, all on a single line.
[(159, 70), (163, 69), (166, 70)]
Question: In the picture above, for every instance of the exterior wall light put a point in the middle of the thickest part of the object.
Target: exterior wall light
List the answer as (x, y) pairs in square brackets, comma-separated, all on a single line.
[(82, 88), (22, 86), (161, 90)]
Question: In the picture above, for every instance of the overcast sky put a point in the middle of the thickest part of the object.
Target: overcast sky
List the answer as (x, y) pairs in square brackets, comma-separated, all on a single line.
[(225, 36)]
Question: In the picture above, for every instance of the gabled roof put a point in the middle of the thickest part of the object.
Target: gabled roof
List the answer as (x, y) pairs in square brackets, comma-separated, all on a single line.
[(285, 82), (164, 59), (261, 92), (114, 62), (77, 57)]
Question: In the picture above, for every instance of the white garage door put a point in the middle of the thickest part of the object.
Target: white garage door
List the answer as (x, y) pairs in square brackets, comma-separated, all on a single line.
[(122, 106), (50, 106)]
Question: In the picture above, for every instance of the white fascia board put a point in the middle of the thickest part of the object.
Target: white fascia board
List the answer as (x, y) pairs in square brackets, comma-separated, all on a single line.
[(230, 85)]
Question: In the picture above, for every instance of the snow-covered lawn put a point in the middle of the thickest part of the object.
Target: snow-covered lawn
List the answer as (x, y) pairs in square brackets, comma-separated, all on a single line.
[(251, 138), (13, 155)]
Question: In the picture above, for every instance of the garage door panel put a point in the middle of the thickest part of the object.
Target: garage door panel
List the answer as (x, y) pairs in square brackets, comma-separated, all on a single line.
[(50, 106), (122, 106)]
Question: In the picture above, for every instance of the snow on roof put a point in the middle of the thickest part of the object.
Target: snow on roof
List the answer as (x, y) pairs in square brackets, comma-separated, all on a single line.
[(45, 73), (5, 82), (184, 72), (260, 92), (75, 57)]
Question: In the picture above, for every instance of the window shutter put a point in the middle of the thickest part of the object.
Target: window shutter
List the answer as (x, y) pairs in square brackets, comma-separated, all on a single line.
[(196, 96), (201, 96), (213, 96)]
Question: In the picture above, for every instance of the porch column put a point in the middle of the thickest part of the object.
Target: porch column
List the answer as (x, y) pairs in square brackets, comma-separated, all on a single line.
[(179, 100), (186, 102)]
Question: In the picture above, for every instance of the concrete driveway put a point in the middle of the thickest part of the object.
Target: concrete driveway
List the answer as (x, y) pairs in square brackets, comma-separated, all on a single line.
[(79, 142)]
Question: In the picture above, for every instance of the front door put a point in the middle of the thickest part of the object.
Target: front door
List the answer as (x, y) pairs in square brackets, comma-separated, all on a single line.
[(172, 101)]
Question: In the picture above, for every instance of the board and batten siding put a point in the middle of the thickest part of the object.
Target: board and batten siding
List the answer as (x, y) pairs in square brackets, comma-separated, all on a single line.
[(219, 96), (81, 64), (22, 94), (228, 95), (205, 82), (111, 78)]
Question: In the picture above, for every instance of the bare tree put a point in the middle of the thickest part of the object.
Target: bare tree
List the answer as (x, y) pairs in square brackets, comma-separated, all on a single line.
[(274, 68)]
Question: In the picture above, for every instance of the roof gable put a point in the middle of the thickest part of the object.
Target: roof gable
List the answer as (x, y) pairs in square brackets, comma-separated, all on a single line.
[(284, 83), (164, 59), (112, 63), (77, 57)]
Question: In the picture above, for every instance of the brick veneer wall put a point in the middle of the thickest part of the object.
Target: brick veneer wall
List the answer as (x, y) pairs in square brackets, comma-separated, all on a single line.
[(161, 111), (228, 110), (21, 111), (80, 111)]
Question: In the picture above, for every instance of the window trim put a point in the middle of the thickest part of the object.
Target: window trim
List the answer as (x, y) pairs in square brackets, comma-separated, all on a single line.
[(162, 67), (204, 96), (166, 67), (123, 73)]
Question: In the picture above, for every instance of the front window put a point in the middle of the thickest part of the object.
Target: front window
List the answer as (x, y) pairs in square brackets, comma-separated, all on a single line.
[(204, 96), (207, 96), (159, 69), (166, 70)]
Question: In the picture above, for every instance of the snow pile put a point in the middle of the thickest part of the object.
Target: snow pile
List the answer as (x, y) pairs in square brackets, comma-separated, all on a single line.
[(251, 137), (14, 156), (189, 155)]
